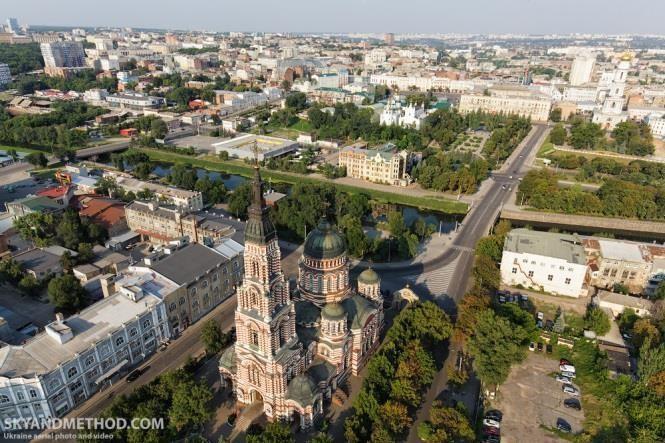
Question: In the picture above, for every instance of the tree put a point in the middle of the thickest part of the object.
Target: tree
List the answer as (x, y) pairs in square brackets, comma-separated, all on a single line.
[(275, 432), (558, 135), (37, 159), (66, 294), (644, 330), (486, 272), (396, 224), (29, 285), (597, 320), (495, 346), (297, 101), (213, 337), (659, 293), (190, 406), (446, 425), (224, 155), (240, 200), (158, 128), (555, 115), (395, 416)]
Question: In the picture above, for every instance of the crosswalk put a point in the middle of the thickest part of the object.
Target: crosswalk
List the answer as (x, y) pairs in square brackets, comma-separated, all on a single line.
[(436, 281)]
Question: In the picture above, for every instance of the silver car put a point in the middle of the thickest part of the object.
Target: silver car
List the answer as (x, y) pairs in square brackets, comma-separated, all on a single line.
[(570, 389)]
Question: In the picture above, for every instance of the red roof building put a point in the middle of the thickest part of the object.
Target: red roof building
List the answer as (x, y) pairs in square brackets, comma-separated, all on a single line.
[(106, 212), (60, 194)]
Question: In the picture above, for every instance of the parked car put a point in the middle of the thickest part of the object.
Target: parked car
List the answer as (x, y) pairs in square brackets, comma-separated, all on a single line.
[(502, 299), (490, 430), (491, 439), (540, 347), (548, 348), (572, 403), (494, 415), (492, 423), (563, 361), (532, 346), (568, 374), (524, 297), (570, 389), (564, 379), (541, 316), (136, 373), (562, 425), (567, 368)]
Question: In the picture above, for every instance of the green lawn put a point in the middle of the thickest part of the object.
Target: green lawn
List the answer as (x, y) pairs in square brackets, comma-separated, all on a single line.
[(441, 204), (18, 149)]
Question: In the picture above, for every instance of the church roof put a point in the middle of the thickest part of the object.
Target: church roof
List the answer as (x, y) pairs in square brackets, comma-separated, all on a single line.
[(368, 277), (324, 242), (259, 228), (333, 311), (228, 359), (321, 370), (358, 309), (302, 389), (307, 312)]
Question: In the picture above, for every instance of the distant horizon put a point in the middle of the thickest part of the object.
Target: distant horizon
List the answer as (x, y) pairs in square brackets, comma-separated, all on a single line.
[(516, 17)]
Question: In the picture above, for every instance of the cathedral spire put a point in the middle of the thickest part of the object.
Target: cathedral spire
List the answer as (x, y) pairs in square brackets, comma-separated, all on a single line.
[(259, 228)]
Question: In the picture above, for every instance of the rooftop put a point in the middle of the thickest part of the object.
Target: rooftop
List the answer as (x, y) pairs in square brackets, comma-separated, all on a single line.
[(43, 353), (618, 250), (625, 300), (188, 263), (562, 246)]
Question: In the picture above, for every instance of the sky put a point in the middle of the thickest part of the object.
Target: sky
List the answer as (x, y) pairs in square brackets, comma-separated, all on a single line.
[(363, 16)]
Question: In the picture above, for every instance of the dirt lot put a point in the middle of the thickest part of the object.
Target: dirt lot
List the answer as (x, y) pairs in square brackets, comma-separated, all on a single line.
[(532, 399)]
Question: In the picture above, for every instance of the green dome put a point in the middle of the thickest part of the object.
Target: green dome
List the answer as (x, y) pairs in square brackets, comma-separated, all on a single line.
[(333, 311), (324, 242), (368, 277), (302, 389)]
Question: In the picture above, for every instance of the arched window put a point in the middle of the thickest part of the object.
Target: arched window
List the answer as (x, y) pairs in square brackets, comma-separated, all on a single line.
[(206, 301), (254, 375), (253, 300), (253, 336), (120, 341), (72, 372), (205, 283)]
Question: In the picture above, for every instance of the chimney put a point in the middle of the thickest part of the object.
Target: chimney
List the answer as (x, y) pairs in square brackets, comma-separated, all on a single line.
[(59, 317)]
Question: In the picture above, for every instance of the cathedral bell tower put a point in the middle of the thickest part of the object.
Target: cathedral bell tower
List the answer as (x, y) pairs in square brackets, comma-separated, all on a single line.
[(266, 346)]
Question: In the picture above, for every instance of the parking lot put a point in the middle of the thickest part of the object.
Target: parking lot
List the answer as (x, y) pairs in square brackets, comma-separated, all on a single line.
[(532, 400)]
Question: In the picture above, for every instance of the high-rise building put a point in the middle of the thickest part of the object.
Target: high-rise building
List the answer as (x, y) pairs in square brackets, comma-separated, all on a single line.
[(63, 55), (582, 69), (5, 75), (389, 38), (12, 26)]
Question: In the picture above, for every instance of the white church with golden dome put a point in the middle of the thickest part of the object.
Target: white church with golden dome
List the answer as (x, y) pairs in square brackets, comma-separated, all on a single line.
[(294, 347)]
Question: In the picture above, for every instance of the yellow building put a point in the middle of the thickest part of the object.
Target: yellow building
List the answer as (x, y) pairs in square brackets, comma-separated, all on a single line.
[(375, 166)]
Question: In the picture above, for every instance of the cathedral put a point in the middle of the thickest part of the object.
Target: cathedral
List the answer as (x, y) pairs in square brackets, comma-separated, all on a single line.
[(294, 347)]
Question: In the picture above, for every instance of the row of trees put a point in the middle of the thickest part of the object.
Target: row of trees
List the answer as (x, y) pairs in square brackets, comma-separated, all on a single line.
[(174, 396), (65, 229), (629, 137), (397, 375), (80, 82), (615, 198), (55, 129)]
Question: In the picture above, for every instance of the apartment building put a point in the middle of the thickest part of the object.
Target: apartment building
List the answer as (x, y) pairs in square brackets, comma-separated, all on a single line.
[(544, 261), (204, 277), (378, 166), (62, 54), (5, 75), (181, 198), (626, 263), (536, 108), (73, 358), (134, 101), (162, 224)]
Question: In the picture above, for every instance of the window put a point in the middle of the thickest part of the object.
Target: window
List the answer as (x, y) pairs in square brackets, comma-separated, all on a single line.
[(172, 307), (214, 277), (54, 384), (530, 273), (192, 291), (550, 277), (254, 337), (72, 372), (33, 393), (133, 332), (514, 270), (89, 360), (181, 301), (120, 341), (205, 283), (146, 323), (20, 396), (561, 268), (567, 281)]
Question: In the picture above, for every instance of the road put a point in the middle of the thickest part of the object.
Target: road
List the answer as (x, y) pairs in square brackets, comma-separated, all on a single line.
[(474, 226)]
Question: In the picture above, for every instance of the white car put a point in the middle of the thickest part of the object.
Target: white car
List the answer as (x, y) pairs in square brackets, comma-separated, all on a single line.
[(532, 346), (491, 423), (570, 389), (567, 368), (563, 379)]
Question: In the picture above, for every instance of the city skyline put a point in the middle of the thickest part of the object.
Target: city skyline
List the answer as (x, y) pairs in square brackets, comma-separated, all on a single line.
[(366, 16)]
